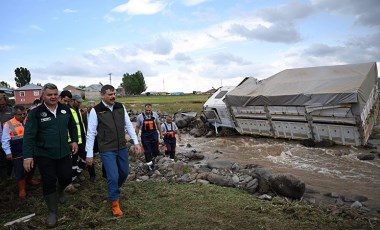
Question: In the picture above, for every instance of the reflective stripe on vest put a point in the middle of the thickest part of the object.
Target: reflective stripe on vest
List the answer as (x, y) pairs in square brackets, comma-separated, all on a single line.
[(76, 119), (16, 129)]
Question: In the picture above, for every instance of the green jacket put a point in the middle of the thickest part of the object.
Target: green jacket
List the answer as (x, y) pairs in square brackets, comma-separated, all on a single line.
[(47, 135)]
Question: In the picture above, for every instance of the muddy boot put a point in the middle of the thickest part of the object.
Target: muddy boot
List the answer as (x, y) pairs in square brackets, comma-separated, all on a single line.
[(52, 204), (21, 188), (62, 196)]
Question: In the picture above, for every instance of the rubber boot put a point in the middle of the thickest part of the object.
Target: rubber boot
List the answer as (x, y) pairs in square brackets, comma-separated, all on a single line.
[(116, 211), (62, 196), (21, 188), (52, 204), (32, 182)]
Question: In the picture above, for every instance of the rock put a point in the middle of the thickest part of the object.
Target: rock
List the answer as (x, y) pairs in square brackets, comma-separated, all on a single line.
[(263, 176), (265, 197), (196, 132), (187, 177), (332, 195), (210, 133), (194, 156), (366, 157), (339, 202), (236, 167), (200, 181), (360, 198), (181, 123), (287, 185), (225, 181), (178, 168), (215, 164), (356, 205), (252, 186)]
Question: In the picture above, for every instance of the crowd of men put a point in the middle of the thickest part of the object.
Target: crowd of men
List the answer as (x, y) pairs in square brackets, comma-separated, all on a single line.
[(59, 138)]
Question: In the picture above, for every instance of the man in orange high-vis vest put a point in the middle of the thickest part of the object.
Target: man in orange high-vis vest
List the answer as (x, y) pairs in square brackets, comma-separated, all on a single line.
[(12, 139), (148, 121)]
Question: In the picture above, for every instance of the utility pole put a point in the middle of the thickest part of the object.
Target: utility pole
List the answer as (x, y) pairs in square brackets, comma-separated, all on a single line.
[(163, 84), (110, 78)]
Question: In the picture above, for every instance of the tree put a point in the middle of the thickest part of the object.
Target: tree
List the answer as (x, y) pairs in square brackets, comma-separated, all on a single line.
[(134, 84), (22, 76), (4, 84), (81, 86)]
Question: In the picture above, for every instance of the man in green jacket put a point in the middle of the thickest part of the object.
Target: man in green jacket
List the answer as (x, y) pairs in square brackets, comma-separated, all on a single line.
[(45, 144)]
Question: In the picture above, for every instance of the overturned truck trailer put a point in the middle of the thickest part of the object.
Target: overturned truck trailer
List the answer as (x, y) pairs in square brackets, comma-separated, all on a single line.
[(338, 103)]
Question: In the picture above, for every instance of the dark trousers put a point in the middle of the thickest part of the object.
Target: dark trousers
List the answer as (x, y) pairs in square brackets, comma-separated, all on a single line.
[(6, 166), (169, 147), (19, 170), (52, 170), (150, 145)]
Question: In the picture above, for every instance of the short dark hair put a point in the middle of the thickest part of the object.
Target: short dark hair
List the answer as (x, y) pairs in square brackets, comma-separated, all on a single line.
[(36, 102), (148, 104), (105, 88), (18, 107), (66, 93)]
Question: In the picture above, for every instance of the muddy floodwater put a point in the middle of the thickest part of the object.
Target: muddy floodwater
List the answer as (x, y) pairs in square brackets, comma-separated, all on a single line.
[(325, 170)]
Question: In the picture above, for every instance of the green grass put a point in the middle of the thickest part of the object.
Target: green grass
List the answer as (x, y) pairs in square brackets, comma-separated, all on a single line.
[(165, 104), (161, 205)]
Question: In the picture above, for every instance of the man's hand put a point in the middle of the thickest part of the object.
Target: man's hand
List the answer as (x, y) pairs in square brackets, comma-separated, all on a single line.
[(89, 161), (138, 149), (28, 164), (74, 148)]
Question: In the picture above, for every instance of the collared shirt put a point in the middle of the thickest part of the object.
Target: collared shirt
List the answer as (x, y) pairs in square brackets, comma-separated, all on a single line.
[(6, 140), (52, 111), (93, 125)]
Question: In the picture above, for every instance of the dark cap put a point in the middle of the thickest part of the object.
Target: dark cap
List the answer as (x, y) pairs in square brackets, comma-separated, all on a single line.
[(77, 98)]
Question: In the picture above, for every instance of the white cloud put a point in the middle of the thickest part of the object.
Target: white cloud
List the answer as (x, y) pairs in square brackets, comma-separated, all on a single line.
[(141, 7), (108, 18), (5, 48), (69, 11), (193, 2), (35, 27)]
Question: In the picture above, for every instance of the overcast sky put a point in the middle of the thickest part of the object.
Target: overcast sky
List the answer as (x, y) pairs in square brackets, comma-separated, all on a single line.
[(182, 45)]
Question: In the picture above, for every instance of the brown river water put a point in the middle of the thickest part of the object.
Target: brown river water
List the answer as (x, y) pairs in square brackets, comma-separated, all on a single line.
[(325, 170)]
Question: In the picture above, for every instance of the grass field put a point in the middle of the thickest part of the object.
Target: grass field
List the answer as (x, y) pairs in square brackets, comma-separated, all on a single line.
[(162, 205), (166, 104)]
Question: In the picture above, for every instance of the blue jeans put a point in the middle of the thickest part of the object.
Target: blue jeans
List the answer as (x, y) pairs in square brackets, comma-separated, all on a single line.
[(117, 168)]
